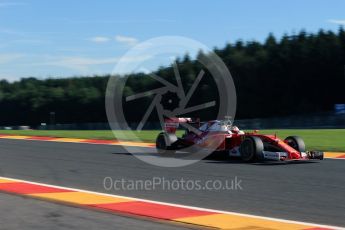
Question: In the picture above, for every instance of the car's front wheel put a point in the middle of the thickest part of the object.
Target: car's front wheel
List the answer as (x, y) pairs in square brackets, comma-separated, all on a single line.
[(251, 149), (296, 142)]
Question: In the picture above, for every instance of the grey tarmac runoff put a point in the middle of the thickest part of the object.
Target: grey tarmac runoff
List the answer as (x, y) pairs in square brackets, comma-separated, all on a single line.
[(310, 192), (33, 214)]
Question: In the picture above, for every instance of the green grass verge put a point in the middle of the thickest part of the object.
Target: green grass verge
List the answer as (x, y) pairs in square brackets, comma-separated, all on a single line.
[(145, 135), (318, 139)]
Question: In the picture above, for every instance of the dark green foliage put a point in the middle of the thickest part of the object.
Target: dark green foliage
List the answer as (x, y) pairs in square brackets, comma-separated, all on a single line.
[(298, 74), (30, 101)]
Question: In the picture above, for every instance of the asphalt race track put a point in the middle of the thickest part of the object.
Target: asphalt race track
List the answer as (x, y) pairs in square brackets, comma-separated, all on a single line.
[(311, 192)]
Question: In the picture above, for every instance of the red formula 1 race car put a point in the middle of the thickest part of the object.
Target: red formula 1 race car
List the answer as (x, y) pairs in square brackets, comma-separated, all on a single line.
[(232, 141)]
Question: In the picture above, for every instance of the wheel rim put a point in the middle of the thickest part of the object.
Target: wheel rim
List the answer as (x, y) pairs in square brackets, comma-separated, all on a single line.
[(247, 150), (293, 144)]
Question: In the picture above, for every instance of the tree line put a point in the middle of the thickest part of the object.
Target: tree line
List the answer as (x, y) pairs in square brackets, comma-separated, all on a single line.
[(295, 74)]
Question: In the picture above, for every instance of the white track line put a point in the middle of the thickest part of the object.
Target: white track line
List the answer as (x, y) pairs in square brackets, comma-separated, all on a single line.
[(182, 206)]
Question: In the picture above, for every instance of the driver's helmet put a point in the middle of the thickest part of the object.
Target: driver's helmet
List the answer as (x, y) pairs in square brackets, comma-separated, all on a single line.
[(235, 129)]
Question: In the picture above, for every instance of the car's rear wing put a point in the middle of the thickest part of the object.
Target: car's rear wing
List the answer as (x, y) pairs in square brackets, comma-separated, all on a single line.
[(171, 124)]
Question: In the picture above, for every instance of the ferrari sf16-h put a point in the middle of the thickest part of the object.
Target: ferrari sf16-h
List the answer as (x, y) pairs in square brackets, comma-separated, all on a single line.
[(250, 146)]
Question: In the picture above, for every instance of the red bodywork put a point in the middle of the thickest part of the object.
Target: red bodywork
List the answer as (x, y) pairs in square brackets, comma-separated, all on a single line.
[(227, 140)]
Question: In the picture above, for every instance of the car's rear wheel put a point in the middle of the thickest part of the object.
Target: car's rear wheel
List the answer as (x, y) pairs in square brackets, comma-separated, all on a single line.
[(251, 149), (161, 145), (296, 142)]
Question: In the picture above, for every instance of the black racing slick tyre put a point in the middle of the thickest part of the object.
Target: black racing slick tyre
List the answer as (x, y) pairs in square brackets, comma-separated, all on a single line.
[(161, 145), (251, 149), (296, 142)]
